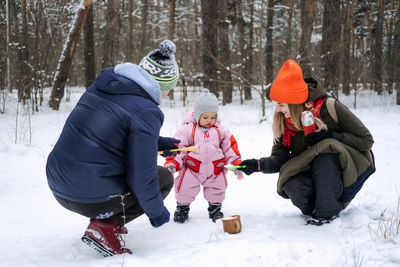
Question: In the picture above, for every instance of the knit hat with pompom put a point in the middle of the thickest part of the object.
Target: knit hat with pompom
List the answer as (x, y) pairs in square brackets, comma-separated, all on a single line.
[(205, 101), (161, 65), (289, 86)]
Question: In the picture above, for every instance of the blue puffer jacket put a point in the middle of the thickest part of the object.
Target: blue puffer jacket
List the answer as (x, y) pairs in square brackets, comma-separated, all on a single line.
[(108, 145)]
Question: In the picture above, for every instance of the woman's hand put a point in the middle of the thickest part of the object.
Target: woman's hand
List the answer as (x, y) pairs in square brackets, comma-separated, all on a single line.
[(250, 166)]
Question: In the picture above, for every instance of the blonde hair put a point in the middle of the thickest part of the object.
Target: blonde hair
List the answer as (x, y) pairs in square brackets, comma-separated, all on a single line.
[(278, 123)]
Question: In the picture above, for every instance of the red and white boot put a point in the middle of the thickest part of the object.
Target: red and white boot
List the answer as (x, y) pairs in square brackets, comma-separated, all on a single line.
[(105, 237)]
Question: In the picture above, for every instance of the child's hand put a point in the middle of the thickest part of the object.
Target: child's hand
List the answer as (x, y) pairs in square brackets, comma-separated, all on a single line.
[(172, 169), (239, 174)]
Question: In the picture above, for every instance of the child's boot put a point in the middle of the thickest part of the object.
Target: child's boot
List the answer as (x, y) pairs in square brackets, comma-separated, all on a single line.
[(181, 213), (214, 211)]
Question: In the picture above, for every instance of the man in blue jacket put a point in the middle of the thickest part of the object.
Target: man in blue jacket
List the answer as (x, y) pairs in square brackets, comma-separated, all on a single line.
[(104, 164)]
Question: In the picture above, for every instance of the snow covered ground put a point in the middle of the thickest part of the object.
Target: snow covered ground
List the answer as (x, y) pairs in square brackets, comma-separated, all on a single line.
[(36, 231)]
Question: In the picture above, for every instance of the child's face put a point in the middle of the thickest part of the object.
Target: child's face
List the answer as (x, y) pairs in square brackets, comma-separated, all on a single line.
[(207, 119)]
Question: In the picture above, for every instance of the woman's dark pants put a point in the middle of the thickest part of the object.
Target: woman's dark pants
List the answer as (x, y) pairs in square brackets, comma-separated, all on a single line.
[(318, 192)]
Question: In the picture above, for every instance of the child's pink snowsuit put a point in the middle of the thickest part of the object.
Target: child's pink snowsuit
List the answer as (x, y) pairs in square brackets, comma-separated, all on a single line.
[(216, 147)]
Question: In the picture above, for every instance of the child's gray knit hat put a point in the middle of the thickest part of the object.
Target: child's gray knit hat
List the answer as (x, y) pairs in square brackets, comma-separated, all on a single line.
[(205, 101)]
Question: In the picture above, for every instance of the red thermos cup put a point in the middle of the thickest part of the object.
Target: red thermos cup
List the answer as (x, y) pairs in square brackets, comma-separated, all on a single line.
[(307, 119)]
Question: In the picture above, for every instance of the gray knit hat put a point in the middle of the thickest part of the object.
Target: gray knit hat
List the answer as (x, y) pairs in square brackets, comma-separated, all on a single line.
[(161, 65), (205, 101)]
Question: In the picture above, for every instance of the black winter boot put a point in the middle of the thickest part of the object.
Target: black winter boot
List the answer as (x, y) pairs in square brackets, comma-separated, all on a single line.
[(214, 211), (318, 221), (181, 213)]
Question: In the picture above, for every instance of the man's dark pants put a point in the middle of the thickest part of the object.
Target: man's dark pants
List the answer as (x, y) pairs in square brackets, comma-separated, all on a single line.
[(113, 206)]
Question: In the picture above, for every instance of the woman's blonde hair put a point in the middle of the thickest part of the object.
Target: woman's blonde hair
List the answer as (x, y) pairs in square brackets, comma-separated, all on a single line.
[(278, 124)]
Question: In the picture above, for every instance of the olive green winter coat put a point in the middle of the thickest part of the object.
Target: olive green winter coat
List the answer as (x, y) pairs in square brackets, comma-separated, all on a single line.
[(354, 150)]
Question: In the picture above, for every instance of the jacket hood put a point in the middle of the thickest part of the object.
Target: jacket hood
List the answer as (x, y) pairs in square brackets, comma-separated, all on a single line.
[(126, 79), (315, 90)]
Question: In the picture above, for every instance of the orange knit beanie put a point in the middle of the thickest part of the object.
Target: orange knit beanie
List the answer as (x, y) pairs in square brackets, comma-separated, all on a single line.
[(289, 86)]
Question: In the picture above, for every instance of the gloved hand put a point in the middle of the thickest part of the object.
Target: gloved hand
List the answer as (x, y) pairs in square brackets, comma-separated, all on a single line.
[(172, 169), (165, 144), (313, 138), (160, 220), (252, 165)]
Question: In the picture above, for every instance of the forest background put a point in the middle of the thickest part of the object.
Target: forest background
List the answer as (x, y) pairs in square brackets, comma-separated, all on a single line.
[(223, 45), (50, 50)]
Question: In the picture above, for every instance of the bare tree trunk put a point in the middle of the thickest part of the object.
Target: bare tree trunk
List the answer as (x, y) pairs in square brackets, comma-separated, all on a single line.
[(171, 31), (353, 59), (196, 47), (8, 46), (24, 88), (89, 56), (36, 60), (171, 21), (145, 12), (346, 56), (288, 50), (269, 67), (389, 51), (57, 93), (242, 59), (377, 50), (370, 69), (330, 45), (130, 40), (209, 16), (396, 54), (155, 31), (224, 55), (262, 91), (111, 42), (249, 55), (308, 10)]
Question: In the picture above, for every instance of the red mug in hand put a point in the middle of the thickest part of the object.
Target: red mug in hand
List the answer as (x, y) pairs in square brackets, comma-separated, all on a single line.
[(307, 119)]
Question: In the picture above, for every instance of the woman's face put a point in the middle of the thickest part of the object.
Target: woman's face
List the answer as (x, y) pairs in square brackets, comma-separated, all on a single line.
[(283, 108), (207, 119)]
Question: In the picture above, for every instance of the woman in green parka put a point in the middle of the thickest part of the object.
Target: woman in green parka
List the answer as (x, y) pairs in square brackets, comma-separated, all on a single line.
[(320, 172)]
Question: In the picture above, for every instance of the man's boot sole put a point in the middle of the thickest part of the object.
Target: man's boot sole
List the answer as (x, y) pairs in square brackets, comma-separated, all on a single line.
[(96, 246)]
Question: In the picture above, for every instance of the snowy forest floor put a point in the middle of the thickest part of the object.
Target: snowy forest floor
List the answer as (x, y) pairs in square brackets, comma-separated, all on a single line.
[(36, 231)]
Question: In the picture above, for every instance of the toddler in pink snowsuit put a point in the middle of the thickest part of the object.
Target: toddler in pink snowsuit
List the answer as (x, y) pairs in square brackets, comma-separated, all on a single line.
[(204, 166)]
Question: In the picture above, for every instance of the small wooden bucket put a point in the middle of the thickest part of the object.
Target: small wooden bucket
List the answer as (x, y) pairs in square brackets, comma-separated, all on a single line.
[(232, 225)]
